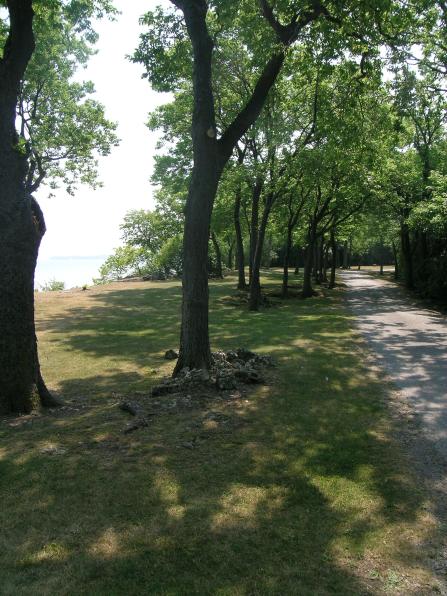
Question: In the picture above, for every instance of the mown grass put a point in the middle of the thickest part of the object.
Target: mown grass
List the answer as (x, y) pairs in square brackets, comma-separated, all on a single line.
[(301, 490)]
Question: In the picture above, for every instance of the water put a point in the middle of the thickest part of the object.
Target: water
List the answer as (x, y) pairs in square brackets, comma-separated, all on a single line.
[(73, 271)]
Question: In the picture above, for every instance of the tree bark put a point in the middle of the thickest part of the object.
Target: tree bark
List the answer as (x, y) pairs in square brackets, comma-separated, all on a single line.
[(218, 255), (334, 259), (230, 261), (285, 276), (396, 261), (21, 230), (255, 286), (307, 290), (194, 338), (345, 254), (254, 223), (240, 254), (407, 257), (325, 261)]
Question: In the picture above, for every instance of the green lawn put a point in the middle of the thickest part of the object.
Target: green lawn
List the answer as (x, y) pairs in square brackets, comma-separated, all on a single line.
[(298, 488)]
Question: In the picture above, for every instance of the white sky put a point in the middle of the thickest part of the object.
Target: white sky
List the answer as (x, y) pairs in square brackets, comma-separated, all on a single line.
[(88, 223)]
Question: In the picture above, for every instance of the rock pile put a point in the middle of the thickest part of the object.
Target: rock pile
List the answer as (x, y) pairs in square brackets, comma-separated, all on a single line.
[(228, 370)]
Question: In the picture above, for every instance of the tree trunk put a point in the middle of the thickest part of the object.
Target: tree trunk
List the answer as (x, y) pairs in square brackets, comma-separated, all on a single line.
[(218, 255), (240, 255), (345, 254), (307, 291), (407, 257), (255, 286), (396, 262), (266, 259), (21, 229), (194, 338), (18, 369), (334, 260), (254, 224), (299, 255), (285, 277), (325, 262), (316, 263), (230, 261)]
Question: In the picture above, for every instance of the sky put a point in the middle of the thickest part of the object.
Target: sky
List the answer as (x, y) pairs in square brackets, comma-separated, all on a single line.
[(88, 223)]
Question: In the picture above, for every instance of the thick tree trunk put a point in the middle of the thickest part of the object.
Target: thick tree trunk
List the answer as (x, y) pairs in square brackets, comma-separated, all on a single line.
[(18, 367), (194, 338), (218, 255), (285, 276), (240, 254), (21, 229)]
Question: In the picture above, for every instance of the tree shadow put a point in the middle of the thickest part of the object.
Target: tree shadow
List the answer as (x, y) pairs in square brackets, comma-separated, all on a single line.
[(295, 491), (246, 512)]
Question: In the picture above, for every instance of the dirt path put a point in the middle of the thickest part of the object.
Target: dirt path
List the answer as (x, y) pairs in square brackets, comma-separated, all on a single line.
[(410, 343)]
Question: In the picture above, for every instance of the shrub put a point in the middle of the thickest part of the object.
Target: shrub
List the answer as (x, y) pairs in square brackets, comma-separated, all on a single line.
[(52, 286)]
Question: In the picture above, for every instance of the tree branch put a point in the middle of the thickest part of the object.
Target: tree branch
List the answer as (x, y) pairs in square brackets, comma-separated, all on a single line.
[(252, 109)]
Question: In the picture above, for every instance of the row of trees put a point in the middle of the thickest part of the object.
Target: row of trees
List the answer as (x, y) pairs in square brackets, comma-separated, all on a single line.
[(310, 124), (294, 128)]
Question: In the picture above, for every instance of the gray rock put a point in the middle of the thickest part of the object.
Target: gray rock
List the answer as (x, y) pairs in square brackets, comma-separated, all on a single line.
[(171, 355), (244, 354)]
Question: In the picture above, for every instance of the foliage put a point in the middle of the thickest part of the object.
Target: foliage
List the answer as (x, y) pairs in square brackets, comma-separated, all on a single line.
[(61, 127), (152, 247), (52, 286), (125, 260)]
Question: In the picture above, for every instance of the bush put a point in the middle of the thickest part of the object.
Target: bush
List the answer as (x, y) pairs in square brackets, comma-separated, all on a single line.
[(52, 286), (169, 260)]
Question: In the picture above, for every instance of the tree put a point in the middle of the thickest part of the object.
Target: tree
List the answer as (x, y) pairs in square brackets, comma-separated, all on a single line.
[(24, 154)]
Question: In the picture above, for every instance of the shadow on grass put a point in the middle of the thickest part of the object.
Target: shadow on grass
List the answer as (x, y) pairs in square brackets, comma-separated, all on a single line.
[(255, 511), (291, 500)]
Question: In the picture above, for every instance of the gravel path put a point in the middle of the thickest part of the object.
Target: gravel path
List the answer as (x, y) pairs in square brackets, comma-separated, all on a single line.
[(410, 343)]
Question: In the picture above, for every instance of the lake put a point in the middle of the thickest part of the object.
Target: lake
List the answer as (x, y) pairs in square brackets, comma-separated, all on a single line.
[(73, 271)]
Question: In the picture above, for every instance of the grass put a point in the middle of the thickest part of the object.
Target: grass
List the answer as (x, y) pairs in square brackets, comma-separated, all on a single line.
[(298, 488)]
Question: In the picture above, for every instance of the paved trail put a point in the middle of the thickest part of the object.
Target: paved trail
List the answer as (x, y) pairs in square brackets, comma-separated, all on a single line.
[(410, 343)]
